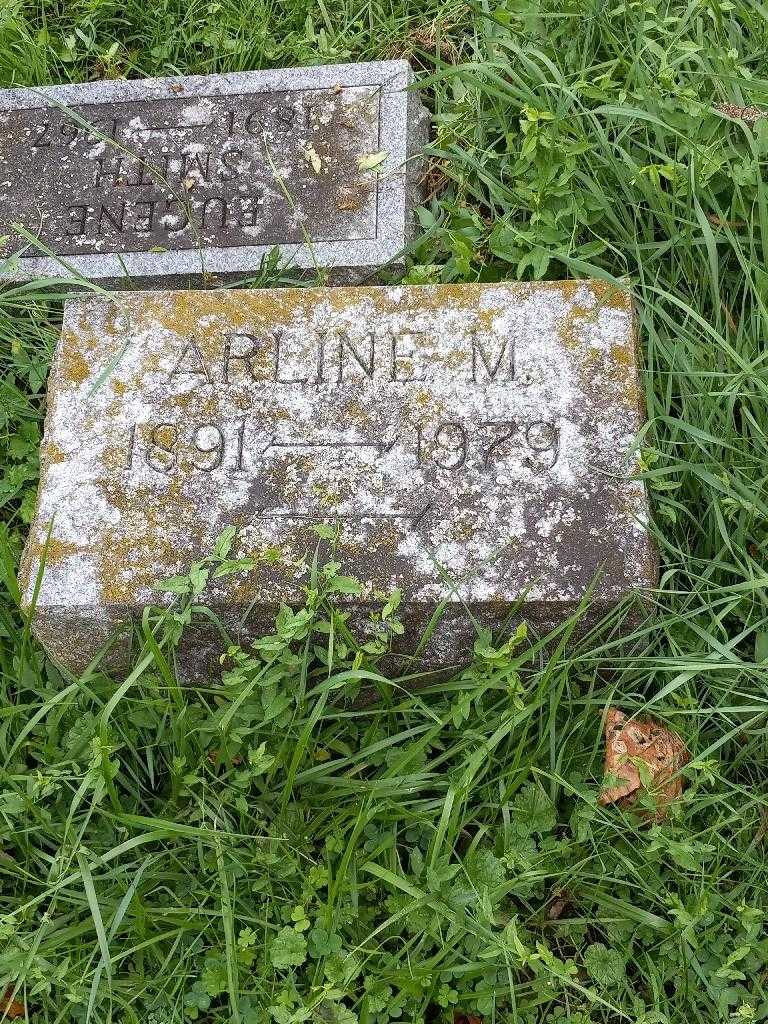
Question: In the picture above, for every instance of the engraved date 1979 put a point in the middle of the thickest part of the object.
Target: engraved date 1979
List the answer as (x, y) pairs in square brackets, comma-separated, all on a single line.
[(450, 445)]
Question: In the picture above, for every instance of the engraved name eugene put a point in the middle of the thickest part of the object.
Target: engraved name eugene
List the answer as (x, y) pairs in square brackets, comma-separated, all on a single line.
[(242, 444)]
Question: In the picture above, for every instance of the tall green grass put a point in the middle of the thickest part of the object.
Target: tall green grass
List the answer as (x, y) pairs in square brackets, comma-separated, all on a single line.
[(257, 849)]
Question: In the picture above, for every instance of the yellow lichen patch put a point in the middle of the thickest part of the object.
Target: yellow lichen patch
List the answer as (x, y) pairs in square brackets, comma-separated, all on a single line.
[(463, 531), (352, 197), (327, 498), (53, 454), (388, 537), (143, 544), (74, 366), (578, 320), (51, 549), (418, 411), (114, 458), (58, 550), (204, 405), (456, 360), (356, 413), (623, 355), (242, 401), (152, 364), (485, 318), (611, 296), (584, 314), (240, 589), (423, 398), (568, 332), (205, 315), (195, 315), (84, 338)]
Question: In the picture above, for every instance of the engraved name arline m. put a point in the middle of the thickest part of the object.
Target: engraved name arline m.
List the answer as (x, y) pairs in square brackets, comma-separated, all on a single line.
[(333, 357)]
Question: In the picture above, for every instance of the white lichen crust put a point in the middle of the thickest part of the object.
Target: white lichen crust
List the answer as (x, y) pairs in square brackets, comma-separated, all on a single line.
[(473, 442)]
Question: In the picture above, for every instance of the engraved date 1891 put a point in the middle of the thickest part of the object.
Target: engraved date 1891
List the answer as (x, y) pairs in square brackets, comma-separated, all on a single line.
[(447, 445)]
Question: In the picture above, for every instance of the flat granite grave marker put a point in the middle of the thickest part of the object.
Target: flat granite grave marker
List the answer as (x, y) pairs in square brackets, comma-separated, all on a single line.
[(480, 434), (172, 180)]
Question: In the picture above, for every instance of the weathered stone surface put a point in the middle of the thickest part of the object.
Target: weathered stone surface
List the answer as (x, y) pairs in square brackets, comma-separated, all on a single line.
[(480, 434), (170, 180)]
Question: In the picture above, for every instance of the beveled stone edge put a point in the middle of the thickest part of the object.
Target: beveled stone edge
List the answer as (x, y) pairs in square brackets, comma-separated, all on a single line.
[(227, 83)]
